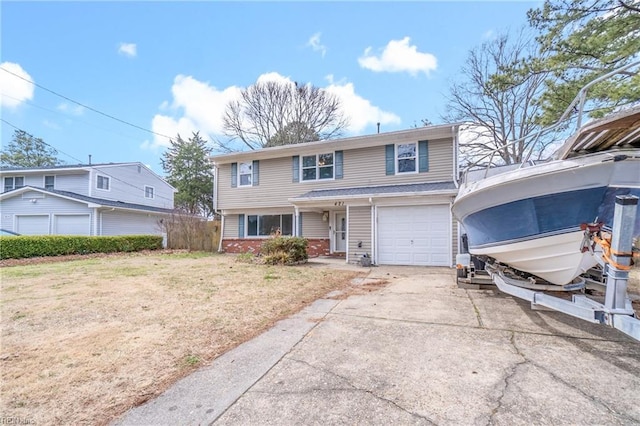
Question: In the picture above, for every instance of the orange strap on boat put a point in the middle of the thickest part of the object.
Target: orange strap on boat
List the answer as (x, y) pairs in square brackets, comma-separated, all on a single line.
[(607, 251)]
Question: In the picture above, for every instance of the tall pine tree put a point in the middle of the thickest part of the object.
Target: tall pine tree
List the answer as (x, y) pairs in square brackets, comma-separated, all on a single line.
[(25, 150), (580, 40), (186, 164)]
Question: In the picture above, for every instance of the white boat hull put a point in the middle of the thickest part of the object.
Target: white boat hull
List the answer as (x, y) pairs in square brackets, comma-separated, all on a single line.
[(556, 258), (530, 218)]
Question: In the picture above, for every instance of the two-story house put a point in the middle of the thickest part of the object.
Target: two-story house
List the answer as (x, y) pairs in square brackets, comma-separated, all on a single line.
[(387, 196), (92, 199)]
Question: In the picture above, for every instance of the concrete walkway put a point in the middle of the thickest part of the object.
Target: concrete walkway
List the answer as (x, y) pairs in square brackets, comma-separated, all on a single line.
[(418, 351)]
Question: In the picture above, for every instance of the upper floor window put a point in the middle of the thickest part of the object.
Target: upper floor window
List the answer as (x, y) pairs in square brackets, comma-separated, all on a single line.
[(406, 158), (316, 167), (103, 182), (49, 182), (13, 182), (245, 173), (149, 192)]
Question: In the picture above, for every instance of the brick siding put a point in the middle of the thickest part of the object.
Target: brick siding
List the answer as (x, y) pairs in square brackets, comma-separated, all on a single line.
[(317, 247)]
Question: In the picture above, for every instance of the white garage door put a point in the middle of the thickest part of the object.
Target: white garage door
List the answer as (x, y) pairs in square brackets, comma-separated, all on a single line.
[(72, 224), (32, 225), (416, 235)]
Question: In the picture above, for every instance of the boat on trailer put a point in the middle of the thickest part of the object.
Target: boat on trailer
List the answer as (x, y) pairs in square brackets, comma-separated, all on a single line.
[(532, 218)]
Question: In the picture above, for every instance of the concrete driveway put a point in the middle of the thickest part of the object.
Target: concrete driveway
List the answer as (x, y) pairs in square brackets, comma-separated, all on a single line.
[(416, 351)]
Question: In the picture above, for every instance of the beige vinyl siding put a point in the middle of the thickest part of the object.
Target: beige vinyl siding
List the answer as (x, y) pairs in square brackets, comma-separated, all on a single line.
[(231, 226), (359, 229), (361, 167), (313, 226)]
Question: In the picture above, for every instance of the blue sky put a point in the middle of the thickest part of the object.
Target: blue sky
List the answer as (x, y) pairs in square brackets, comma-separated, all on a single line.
[(171, 67)]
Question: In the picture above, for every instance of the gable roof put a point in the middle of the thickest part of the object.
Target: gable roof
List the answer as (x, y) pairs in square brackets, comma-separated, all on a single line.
[(4, 169), (92, 202), (421, 133), (12, 170)]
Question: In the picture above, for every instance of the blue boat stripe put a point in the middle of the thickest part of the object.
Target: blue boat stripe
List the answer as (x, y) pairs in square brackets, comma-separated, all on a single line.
[(550, 214)]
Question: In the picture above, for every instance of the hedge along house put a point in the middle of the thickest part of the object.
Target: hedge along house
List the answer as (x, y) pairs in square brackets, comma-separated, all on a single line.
[(387, 196)]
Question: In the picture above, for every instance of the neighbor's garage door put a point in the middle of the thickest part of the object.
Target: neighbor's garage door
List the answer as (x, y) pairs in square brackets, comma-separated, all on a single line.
[(72, 224), (32, 224), (415, 235)]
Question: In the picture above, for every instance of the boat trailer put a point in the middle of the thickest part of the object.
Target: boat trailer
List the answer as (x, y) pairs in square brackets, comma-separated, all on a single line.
[(616, 311)]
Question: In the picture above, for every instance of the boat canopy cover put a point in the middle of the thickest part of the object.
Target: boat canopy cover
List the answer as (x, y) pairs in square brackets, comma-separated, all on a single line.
[(617, 130)]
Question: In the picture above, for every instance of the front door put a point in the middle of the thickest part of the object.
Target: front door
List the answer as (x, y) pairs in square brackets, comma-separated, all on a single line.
[(340, 233)]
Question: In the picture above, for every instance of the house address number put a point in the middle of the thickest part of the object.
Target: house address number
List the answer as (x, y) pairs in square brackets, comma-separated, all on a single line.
[(339, 203)]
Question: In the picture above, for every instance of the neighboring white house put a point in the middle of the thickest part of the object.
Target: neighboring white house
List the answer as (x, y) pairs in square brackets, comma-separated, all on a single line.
[(95, 199)]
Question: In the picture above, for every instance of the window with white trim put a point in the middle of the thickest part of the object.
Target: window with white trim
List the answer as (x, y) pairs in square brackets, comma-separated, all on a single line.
[(245, 172), (407, 158), (149, 192), (49, 182), (13, 182), (266, 225), (103, 182), (317, 167)]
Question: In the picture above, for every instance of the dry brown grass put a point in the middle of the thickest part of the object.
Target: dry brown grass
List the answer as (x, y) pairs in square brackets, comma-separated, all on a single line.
[(84, 340)]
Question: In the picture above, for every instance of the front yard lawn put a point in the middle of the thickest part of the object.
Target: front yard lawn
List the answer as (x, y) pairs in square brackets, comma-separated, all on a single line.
[(85, 340)]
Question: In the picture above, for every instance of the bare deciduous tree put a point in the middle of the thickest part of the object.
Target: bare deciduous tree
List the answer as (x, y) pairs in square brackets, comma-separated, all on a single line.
[(499, 108), (275, 113)]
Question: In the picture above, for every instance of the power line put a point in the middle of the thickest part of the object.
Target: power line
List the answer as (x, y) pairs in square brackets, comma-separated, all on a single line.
[(90, 165), (69, 116), (85, 106)]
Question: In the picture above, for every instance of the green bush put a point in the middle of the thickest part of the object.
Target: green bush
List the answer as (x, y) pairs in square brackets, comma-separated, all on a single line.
[(285, 250), (60, 245)]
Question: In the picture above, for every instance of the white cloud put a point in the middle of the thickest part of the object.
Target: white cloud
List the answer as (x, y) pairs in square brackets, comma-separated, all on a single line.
[(16, 89), (360, 111), (128, 49), (314, 43), (198, 106), (399, 56)]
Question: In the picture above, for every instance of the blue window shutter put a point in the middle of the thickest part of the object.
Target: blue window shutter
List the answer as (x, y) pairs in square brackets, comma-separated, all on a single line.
[(256, 173), (338, 164), (390, 160), (295, 167), (234, 175), (423, 156), (299, 224), (240, 226)]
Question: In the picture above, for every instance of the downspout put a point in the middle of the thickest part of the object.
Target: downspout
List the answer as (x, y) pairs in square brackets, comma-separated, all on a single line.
[(456, 175), (215, 206), (374, 251), (221, 233), (215, 189), (95, 221), (456, 171)]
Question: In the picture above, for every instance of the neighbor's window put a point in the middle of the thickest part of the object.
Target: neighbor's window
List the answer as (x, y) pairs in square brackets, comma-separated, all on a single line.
[(148, 192), (49, 182), (406, 158), (265, 225), (13, 183), (103, 182), (244, 174), (316, 167)]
